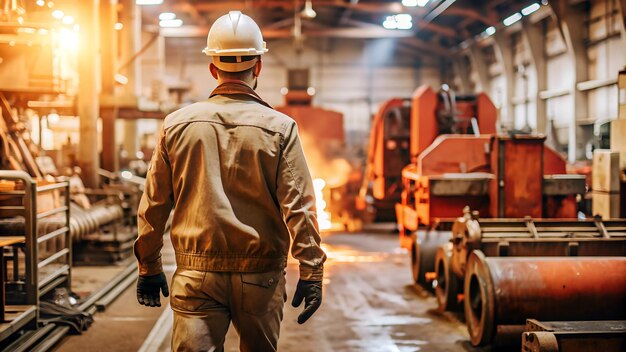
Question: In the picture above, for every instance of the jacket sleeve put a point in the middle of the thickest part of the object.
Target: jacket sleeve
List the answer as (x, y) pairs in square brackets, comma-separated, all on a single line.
[(297, 202), (154, 210)]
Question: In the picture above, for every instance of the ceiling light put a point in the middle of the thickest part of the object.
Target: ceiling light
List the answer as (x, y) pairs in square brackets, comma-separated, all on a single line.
[(284, 91), (41, 3), (148, 2), (58, 14), (166, 16), (530, 9), (409, 3), (118, 26), (512, 19), (403, 18), (308, 11), (422, 3), (171, 23), (405, 25), (390, 23), (490, 31), (68, 19)]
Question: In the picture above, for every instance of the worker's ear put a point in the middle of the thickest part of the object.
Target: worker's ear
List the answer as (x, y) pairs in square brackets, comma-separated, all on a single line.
[(213, 70), (258, 67)]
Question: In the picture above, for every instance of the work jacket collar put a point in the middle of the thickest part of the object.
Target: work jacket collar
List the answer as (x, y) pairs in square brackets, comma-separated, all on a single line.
[(238, 88)]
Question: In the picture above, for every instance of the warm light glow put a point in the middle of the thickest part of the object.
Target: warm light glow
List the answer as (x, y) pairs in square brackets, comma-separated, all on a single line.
[(512, 19), (323, 216), (284, 91), (41, 3), (167, 16), (148, 2), (53, 118), (126, 175), (171, 23), (68, 39), (139, 155), (118, 26), (310, 91), (530, 9), (68, 20), (58, 14), (121, 79)]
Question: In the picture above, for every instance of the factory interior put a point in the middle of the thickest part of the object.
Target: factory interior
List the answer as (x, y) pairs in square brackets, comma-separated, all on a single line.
[(468, 160)]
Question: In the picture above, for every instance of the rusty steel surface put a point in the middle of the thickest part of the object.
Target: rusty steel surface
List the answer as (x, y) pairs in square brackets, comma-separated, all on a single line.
[(517, 165), (534, 238), (574, 336), (507, 291)]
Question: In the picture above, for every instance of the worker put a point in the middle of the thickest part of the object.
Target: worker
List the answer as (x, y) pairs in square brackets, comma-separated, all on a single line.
[(233, 170)]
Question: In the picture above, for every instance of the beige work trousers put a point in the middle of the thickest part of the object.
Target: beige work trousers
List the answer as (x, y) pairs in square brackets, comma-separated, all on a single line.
[(204, 304)]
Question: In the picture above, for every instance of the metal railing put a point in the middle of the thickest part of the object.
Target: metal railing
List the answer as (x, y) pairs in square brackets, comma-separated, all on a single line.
[(57, 242)]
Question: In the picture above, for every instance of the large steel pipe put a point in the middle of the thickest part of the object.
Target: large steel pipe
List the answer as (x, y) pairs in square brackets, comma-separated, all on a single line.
[(507, 291), (423, 253)]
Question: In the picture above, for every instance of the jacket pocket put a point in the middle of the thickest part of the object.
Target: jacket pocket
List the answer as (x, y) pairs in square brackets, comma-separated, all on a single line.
[(262, 292)]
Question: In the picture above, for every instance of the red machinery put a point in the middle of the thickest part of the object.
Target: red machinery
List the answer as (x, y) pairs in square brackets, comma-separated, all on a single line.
[(452, 158), (403, 128)]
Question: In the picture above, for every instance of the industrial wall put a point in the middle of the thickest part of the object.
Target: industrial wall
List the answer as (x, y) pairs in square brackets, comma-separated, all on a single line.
[(349, 76), (551, 72)]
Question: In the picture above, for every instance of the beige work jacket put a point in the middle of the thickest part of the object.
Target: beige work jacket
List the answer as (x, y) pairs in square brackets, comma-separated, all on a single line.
[(234, 172)]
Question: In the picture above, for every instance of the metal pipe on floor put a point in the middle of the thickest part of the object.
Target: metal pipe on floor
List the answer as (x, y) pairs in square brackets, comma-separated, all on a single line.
[(507, 291)]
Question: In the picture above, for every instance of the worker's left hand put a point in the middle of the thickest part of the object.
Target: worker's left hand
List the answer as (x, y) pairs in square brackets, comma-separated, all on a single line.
[(311, 293), (149, 289)]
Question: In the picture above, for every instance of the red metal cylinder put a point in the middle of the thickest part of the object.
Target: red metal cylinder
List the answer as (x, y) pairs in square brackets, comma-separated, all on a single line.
[(507, 291)]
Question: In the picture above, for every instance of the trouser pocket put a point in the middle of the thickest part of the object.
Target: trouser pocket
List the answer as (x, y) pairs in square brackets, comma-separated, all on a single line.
[(187, 295), (262, 292)]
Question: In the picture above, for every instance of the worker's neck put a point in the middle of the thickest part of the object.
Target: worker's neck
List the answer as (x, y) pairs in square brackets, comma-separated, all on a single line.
[(249, 83)]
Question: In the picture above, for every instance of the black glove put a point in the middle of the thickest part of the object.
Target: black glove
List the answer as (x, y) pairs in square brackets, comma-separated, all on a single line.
[(311, 293), (149, 289)]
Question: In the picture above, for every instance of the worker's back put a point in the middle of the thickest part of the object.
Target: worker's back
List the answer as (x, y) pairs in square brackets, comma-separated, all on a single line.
[(224, 155)]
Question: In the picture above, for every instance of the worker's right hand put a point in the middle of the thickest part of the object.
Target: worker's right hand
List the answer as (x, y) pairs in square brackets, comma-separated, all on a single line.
[(311, 293), (149, 289)]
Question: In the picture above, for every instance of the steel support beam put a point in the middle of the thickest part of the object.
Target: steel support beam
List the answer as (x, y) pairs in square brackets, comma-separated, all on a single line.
[(130, 45), (534, 43), (570, 19), (88, 104), (480, 66), (109, 45), (504, 55), (462, 72), (622, 21)]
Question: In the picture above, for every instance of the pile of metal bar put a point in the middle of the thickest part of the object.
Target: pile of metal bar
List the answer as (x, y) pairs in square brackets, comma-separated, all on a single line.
[(521, 238), (501, 293)]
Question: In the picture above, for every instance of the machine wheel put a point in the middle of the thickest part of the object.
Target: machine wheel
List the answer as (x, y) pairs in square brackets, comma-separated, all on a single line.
[(415, 262), (448, 285)]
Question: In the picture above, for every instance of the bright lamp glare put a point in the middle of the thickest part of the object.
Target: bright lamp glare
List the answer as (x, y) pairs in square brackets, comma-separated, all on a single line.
[(68, 20), (58, 14), (148, 2), (422, 3), (171, 23), (166, 16), (490, 30), (390, 23), (405, 25), (403, 18), (530, 9), (409, 3), (512, 19)]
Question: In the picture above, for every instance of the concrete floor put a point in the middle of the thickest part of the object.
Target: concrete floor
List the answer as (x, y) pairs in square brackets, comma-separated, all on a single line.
[(369, 305)]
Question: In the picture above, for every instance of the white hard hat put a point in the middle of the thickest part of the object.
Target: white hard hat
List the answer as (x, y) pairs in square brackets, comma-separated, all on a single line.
[(232, 42)]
